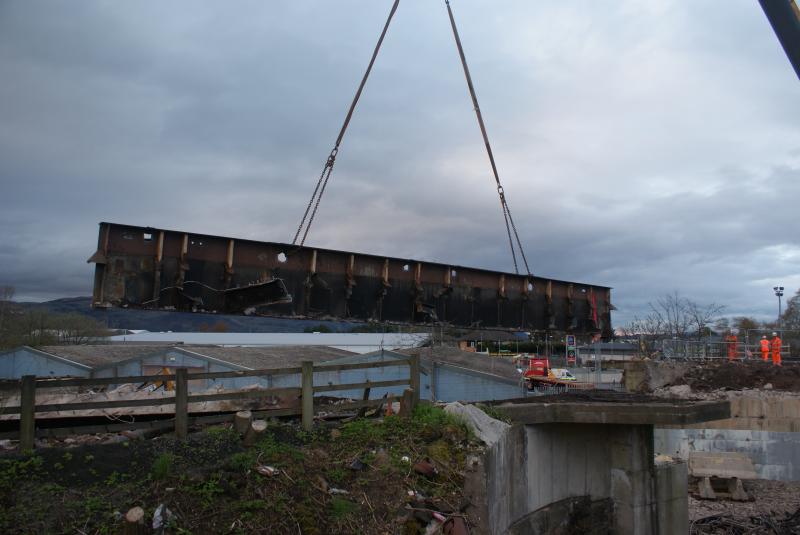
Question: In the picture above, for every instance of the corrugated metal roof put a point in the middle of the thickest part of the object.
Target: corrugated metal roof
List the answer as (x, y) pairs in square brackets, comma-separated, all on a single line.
[(355, 342), (101, 356), (466, 359), (269, 357), (98, 356)]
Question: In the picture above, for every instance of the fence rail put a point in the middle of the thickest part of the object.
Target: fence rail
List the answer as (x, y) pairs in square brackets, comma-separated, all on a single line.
[(29, 384)]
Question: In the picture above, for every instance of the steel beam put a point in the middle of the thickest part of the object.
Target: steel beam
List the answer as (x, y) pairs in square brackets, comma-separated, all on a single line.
[(142, 267)]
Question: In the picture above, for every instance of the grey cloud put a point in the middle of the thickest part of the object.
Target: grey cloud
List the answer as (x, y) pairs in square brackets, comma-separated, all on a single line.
[(645, 146)]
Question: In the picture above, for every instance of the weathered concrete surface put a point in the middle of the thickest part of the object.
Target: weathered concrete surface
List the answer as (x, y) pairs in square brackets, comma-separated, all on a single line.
[(672, 498), (721, 464), (628, 413), (570, 515), (649, 375), (756, 410), (533, 467), (775, 455), (764, 425), (562, 460)]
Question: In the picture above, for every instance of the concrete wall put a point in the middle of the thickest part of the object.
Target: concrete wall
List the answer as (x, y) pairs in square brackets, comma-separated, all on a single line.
[(775, 455), (533, 467), (672, 481), (765, 426), (15, 364)]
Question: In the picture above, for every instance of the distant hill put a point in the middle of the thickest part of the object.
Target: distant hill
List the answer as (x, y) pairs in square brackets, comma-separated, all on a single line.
[(158, 320)]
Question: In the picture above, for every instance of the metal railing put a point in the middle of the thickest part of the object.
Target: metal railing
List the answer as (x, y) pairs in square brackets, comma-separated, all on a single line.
[(676, 349)]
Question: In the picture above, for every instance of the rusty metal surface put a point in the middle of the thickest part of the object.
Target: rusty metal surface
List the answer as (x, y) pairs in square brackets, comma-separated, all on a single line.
[(142, 267)]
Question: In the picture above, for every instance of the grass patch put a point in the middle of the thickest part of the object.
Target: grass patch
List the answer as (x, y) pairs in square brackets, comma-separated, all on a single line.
[(340, 508), (210, 483), (163, 466), (494, 413)]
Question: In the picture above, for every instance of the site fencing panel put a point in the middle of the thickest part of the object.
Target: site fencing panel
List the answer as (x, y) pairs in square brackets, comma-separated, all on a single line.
[(676, 349)]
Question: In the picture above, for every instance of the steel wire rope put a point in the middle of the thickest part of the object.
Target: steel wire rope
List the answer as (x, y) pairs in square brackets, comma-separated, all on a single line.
[(327, 169), (509, 221)]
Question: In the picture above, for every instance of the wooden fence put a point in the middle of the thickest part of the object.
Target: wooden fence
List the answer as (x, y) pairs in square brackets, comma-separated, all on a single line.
[(29, 384)]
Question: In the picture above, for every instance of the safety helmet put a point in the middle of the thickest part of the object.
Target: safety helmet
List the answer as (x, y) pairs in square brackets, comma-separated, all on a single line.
[(774, 334), (764, 337)]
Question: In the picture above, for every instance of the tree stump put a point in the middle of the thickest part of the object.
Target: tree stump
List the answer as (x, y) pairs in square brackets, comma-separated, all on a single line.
[(254, 432), (406, 403), (242, 420), (134, 522)]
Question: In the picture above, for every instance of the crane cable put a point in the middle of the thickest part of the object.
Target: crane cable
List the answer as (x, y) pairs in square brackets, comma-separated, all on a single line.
[(510, 226), (319, 190), (327, 169)]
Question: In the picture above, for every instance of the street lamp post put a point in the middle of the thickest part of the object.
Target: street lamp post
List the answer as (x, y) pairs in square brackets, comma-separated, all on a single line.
[(779, 294)]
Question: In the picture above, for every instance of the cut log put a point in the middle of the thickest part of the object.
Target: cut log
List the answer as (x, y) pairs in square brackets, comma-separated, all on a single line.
[(242, 421), (254, 432), (134, 522)]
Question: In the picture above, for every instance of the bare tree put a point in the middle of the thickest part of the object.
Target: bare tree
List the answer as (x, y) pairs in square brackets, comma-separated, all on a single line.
[(6, 295), (650, 325), (701, 316), (77, 329), (670, 311), (677, 317)]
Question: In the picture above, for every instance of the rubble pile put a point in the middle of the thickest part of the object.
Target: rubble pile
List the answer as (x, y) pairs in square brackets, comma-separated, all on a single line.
[(692, 380), (766, 524), (709, 376)]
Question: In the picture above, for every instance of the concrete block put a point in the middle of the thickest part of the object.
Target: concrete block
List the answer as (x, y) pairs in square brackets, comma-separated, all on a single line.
[(721, 464), (754, 407), (791, 408), (736, 490), (705, 490)]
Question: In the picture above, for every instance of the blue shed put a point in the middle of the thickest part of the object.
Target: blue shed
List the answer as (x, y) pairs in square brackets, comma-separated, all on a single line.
[(447, 375)]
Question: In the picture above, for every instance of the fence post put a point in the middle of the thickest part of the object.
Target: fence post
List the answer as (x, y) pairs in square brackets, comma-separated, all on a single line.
[(414, 379), (307, 399), (181, 403), (27, 416)]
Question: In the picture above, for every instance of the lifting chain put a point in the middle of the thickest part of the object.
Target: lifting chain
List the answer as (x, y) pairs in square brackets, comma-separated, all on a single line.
[(322, 182), (319, 190), (510, 226)]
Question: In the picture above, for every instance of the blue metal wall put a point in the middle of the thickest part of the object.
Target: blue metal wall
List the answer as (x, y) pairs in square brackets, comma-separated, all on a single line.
[(14, 364)]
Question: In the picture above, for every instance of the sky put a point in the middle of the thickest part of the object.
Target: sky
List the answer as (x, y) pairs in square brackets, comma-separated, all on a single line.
[(648, 146)]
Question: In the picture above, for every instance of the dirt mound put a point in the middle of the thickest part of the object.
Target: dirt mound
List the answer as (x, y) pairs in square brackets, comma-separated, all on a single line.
[(709, 376)]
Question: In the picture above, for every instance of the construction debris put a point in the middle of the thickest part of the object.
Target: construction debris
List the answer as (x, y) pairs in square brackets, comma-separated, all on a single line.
[(763, 524), (486, 428)]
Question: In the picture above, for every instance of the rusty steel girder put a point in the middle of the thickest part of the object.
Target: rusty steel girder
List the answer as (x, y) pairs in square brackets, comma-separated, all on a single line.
[(143, 267)]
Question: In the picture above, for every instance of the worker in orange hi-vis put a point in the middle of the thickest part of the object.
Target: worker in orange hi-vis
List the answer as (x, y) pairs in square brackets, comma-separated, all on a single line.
[(776, 349), (764, 348), (731, 342)]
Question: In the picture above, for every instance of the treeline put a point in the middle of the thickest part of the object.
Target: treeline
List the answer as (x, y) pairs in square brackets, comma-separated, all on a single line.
[(37, 327)]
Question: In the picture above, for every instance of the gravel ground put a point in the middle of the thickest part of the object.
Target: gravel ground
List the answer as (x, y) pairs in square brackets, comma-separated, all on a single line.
[(770, 497)]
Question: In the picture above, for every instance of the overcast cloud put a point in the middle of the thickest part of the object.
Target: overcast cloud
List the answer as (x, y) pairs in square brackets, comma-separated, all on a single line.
[(648, 146)]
